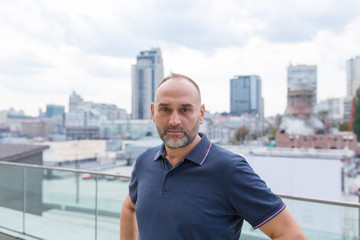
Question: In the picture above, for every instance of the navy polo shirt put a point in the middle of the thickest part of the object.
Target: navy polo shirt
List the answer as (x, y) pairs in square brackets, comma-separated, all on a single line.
[(207, 195)]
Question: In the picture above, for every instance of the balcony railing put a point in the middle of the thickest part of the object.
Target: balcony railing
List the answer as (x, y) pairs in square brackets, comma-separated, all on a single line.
[(55, 203)]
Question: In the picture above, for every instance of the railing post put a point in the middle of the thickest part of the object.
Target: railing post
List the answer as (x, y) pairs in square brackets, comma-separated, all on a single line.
[(96, 204), (77, 175), (24, 198)]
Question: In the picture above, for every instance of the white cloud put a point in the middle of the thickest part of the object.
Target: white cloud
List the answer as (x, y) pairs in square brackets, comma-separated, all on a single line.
[(49, 48)]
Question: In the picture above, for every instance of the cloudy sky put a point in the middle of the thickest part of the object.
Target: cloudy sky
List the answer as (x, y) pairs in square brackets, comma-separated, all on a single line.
[(49, 48)]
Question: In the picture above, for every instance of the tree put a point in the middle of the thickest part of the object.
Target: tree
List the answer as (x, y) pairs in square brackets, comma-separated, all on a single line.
[(344, 126), (356, 122), (272, 135), (241, 134)]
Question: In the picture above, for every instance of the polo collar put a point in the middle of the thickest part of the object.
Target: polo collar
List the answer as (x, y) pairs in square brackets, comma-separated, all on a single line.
[(198, 155)]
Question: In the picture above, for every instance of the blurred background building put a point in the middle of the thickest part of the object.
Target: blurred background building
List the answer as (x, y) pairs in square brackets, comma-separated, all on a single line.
[(352, 76), (147, 73), (246, 98), (302, 75)]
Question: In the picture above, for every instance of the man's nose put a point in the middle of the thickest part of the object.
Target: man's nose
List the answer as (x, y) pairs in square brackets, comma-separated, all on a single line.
[(174, 119)]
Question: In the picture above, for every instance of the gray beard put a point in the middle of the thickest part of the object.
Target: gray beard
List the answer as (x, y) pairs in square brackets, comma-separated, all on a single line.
[(174, 142)]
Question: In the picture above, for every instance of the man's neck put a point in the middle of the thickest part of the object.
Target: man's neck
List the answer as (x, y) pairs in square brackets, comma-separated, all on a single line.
[(176, 155)]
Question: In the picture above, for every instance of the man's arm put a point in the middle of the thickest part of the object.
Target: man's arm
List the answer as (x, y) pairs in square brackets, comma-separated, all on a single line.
[(128, 224), (283, 226)]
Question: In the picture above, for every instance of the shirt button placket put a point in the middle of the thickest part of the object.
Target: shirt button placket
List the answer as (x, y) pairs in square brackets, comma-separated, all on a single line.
[(165, 186)]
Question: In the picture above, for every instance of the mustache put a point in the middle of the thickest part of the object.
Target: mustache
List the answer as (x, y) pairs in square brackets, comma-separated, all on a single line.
[(175, 128)]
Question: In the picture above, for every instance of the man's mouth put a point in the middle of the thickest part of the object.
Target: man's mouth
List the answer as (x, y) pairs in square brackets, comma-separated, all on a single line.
[(174, 132)]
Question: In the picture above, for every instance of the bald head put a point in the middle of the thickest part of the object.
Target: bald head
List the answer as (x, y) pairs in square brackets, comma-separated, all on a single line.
[(180, 77)]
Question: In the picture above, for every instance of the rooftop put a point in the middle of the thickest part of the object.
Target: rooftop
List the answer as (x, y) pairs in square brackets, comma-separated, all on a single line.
[(11, 152)]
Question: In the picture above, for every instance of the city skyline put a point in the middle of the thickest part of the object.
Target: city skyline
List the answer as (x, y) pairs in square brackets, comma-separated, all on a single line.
[(50, 49)]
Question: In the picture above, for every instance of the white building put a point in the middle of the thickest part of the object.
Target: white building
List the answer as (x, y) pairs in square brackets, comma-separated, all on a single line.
[(134, 128), (109, 111), (147, 73), (83, 125), (3, 116), (352, 76), (338, 109), (303, 74)]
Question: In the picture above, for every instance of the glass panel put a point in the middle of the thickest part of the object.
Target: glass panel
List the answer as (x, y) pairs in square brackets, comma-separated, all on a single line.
[(248, 233), (318, 221), (322, 221), (61, 205), (68, 206), (11, 197), (111, 193)]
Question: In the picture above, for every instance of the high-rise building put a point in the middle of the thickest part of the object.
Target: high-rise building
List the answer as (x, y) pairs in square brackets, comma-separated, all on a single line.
[(147, 73), (352, 76), (54, 110), (75, 101), (245, 97), (302, 75)]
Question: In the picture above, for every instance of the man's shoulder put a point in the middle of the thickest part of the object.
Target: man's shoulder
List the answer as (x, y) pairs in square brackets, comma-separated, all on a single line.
[(222, 155), (221, 151), (151, 152)]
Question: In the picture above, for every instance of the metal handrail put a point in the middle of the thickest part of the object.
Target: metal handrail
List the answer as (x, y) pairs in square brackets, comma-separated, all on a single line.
[(62, 169), (323, 201), (306, 199)]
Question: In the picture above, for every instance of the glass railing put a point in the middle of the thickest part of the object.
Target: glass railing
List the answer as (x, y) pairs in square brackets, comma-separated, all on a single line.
[(55, 203)]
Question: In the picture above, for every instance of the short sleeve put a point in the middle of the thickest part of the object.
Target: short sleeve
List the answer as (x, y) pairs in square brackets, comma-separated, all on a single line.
[(250, 196), (133, 185)]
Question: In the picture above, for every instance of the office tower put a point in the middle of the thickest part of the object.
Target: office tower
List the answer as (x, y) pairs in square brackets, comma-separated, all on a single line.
[(54, 110), (147, 73), (245, 97), (352, 76), (75, 101), (302, 77)]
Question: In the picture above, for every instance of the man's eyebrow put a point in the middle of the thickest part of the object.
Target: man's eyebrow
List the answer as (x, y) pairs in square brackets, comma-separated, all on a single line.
[(187, 105), (163, 104), (182, 105)]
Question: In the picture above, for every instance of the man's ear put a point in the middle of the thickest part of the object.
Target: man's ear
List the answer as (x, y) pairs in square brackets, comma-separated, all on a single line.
[(202, 113), (152, 107)]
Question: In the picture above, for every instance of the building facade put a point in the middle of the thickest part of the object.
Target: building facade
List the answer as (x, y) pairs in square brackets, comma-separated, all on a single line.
[(352, 76), (54, 110), (300, 100), (3, 116), (303, 75), (147, 73), (82, 125), (338, 109), (246, 98), (130, 129)]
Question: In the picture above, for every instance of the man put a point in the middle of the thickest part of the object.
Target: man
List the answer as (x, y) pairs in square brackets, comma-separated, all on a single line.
[(189, 188)]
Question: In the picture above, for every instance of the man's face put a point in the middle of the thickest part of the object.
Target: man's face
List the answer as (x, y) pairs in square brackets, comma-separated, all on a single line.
[(177, 113)]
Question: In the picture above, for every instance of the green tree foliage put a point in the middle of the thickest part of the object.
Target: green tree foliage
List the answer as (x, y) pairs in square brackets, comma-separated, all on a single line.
[(344, 126), (272, 135), (241, 134), (356, 120)]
